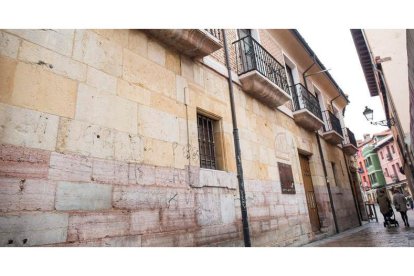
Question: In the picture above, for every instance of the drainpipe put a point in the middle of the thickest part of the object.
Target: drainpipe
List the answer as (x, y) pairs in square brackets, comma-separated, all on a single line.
[(353, 189), (322, 158), (246, 233)]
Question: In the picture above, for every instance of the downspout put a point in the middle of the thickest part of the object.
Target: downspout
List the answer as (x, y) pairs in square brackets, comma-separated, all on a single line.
[(243, 207), (322, 158)]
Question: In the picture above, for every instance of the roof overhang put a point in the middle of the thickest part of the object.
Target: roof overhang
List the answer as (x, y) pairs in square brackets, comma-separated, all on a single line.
[(365, 59), (313, 55)]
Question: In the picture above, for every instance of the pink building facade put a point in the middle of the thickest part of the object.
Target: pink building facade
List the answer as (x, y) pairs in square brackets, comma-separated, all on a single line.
[(362, 170), (390, 160)]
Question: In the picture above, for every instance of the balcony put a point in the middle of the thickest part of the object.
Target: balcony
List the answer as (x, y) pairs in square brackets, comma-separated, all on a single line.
[(190, 42), (307, 112), (389, 156), (349, 144), (332, 128), (260, 74), (395, 178)]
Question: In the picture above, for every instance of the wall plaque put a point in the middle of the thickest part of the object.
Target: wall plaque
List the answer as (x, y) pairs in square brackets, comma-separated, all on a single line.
[(286, 178)]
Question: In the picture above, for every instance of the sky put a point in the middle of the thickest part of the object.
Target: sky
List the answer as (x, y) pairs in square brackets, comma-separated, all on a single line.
[(336, 50)]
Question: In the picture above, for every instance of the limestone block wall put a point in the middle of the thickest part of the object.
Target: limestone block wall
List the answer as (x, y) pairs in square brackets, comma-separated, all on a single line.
[(99, 147)]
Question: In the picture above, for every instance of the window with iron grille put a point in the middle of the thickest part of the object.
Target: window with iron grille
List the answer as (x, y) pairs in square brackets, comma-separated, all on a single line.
[(206, 142)]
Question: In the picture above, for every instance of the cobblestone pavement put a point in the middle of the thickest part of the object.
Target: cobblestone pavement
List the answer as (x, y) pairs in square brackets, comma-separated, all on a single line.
[(373, 234)]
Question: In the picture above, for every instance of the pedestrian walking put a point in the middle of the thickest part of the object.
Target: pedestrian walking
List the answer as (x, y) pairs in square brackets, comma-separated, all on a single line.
[(384, 202), (400, 204)]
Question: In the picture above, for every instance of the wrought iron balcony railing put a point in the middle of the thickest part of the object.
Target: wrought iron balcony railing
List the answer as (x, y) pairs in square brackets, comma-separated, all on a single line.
[(349, 137), (332, 122), (251, 56), (302, 98), (216, 33)]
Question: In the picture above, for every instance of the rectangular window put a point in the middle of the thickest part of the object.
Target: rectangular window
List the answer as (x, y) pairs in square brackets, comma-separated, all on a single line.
[(392, 149), (394, 170), (374, 178), (386, 172), (382, 156), (364, 179), (206, 142)]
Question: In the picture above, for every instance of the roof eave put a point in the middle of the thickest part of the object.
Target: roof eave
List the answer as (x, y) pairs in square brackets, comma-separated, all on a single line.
[(365, 59)]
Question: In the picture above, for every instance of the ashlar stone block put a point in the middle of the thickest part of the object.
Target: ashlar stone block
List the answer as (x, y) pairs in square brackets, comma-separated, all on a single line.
[(28, 128), (52, 61), (37, 88), (96, 141), (106, 110), (17, 194), (110, 172), (31, 229), (133, 92), (143, 72), (145, 221), (9, 45), (22, 162), (98, 52), (215, 178), (89, 226), (60, 41), (83, 196), (69, 167), (103, 82)]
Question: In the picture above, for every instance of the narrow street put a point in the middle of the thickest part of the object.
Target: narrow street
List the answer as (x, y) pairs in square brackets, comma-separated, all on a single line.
[(373, 234)]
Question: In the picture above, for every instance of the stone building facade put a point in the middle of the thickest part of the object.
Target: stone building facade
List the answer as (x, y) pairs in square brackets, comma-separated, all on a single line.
[(102, 132)]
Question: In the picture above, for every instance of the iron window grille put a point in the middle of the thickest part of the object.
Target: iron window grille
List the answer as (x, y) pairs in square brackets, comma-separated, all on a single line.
[(206, 142)]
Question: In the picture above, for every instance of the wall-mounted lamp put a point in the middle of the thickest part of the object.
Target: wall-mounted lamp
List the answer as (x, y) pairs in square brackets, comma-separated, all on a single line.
[(369, 115)]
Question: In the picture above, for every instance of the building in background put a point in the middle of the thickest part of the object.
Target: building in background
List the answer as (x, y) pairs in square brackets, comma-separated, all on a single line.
[(391, 164), (369, 166), (383, 57), (363, 173), (125, 138)]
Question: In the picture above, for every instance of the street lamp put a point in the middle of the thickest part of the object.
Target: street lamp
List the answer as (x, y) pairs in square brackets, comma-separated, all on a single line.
[(369, 115)]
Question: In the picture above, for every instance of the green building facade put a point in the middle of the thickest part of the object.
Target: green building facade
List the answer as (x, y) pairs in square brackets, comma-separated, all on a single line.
[(373, 165)]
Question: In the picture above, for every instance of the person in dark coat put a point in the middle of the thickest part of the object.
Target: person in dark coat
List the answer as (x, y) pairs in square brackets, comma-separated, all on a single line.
[(400, 204), (384, 202)]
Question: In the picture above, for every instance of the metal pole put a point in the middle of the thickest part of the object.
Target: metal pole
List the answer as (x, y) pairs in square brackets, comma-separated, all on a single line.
[(246, 233)]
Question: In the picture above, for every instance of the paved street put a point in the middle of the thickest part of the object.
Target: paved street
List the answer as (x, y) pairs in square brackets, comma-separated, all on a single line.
[(373, 234)]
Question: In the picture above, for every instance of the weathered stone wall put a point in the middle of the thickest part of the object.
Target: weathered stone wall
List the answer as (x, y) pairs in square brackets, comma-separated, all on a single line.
[(99, 147)]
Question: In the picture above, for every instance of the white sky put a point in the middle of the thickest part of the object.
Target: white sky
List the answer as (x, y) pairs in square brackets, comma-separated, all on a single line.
[(336, 50)]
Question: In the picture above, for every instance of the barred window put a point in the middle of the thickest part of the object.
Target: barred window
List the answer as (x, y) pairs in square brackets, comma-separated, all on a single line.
[(206, 142)]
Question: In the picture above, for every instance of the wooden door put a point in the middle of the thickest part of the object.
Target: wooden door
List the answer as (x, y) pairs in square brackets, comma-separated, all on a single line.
[(310, 194)]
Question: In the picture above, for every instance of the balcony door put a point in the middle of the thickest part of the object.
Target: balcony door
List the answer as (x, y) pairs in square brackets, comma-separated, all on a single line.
[(294, 90), (246, 51), (293, 79), (310, 193)]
